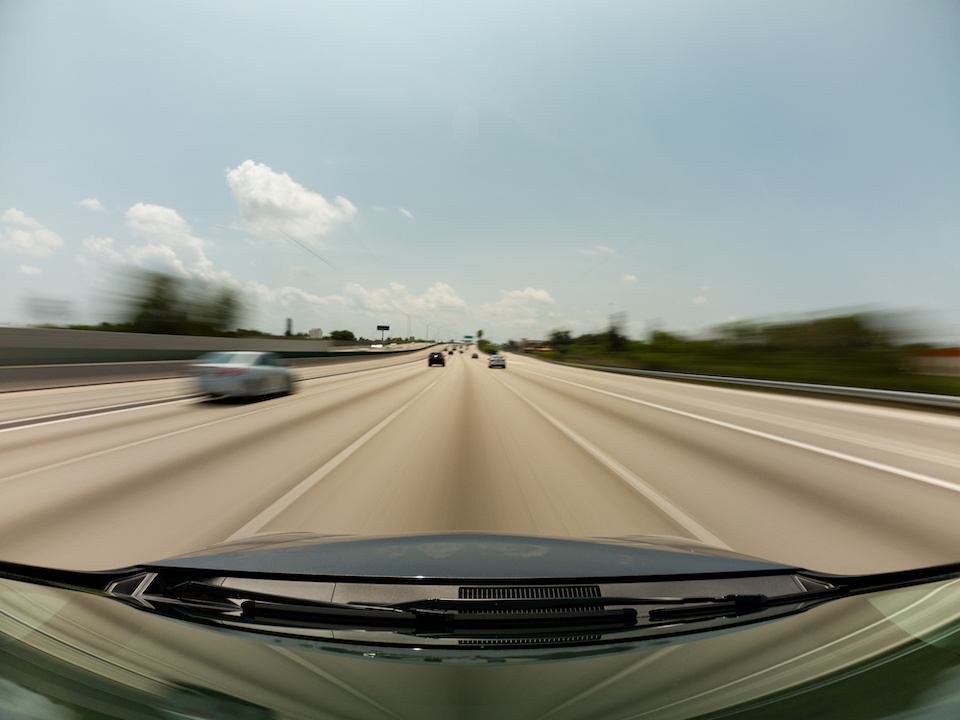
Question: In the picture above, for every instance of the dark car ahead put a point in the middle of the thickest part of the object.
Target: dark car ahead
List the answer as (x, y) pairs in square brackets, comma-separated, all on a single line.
[(436, 358)]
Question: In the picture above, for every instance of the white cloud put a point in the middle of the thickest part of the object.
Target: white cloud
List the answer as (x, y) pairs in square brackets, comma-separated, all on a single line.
[(29, 270), (158, 256), (699, 300), (90, 204), (404, 211), (156, 221), (102, 249), (524, 310), (438, 302), (378, 208), (629, 280), (439, 298), (170, 243), (22, 234), (272, 202), (540, 296)]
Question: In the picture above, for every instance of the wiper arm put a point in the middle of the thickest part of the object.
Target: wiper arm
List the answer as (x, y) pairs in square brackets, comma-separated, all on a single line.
[(737, 605), (207, 598), (451, 615), (420, 617), (517, 604), (435, 622)]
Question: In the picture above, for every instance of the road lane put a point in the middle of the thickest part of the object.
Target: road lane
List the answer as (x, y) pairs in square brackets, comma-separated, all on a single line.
[(470, 456), (44, 405), (535, 448)]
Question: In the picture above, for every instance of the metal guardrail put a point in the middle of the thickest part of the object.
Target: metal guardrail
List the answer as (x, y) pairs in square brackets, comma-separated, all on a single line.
[(41, 377), (950, 402)]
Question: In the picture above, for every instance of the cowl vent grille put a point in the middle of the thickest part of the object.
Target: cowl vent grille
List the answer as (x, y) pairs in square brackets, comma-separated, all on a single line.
[(534, 592), (565, 639)]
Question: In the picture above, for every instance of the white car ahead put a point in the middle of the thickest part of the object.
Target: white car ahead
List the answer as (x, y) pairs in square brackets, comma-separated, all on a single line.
[(498, 361), (242, 374)]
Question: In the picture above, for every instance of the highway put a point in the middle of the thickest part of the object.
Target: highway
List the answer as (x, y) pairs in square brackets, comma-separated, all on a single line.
[(106, 476)]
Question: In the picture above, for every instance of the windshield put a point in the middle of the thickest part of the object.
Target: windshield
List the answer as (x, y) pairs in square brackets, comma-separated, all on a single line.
[(653, 272)]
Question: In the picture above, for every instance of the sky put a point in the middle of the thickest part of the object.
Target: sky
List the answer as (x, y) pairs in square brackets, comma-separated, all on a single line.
[(517, 167)]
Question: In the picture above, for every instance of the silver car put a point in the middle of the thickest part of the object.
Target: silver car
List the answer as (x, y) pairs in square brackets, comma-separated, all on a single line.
[(498, 361), (242, 374)]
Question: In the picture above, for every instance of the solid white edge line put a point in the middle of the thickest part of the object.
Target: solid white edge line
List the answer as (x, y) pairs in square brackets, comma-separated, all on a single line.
[(135, 443), (40, 420), (657, 498), (29, 423), (920, 477), (259, 521)]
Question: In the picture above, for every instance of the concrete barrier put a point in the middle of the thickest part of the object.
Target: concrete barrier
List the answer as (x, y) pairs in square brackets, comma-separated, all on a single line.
[(37, 358)]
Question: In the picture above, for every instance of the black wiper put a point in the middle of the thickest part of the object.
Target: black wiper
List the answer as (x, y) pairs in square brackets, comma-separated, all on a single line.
[(449, 615), (205, 597), (834, 586), (514, 604), (727, 606), (421, 617), (434, 622)]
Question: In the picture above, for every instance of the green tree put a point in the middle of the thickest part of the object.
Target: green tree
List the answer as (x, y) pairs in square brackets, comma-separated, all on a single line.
[(160, 303), (343, 335), (561, 340), (158, 309)]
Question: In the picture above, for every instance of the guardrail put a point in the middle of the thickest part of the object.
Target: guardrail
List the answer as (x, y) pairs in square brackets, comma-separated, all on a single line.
[(41, 377), (949, 402)]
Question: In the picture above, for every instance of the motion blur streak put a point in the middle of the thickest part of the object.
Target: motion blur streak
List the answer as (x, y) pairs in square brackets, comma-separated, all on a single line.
[(472, 449), (804, 446)]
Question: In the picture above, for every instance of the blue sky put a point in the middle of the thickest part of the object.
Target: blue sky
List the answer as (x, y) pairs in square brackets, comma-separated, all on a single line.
[(511, 166)]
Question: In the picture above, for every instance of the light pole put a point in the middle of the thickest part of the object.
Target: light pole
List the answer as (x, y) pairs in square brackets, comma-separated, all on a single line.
[(439, 327), (427, 336), (408, 322)]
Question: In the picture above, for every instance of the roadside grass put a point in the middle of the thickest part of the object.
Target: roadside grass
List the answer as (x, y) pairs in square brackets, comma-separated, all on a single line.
[(866, 369)]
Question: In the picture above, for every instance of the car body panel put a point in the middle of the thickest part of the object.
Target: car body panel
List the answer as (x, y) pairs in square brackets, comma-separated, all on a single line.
[(885, 654), (478, 556), (241, 374)]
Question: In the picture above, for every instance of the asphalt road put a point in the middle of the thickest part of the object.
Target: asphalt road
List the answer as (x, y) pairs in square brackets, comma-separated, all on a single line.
[(106, 476)]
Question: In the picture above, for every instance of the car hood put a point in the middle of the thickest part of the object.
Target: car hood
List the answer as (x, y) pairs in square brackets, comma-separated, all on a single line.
[(86, 652), (473, 556)]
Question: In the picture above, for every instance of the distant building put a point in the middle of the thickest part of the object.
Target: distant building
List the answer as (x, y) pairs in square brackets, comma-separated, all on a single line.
[(315, 334), (937, 361), (529, 346)]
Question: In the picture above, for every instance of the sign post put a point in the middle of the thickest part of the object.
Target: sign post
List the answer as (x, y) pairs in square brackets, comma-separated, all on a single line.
[(382, 329)]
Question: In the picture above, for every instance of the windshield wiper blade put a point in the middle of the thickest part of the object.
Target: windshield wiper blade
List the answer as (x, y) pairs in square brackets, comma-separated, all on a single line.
[(738, 605), (428, 616), (434, 622), (518, 604)]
